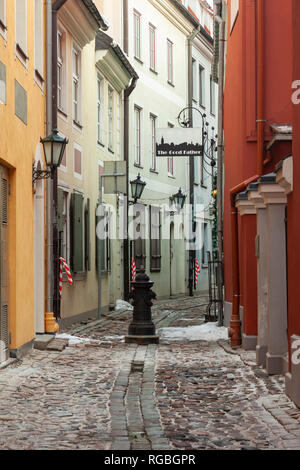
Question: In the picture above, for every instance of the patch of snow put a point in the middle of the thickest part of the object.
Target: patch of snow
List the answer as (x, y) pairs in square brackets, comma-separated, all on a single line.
[(205, 332), (123, 305), (73, 339)]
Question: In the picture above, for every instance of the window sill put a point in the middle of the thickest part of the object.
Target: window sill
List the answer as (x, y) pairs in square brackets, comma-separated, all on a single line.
[(171, 83), (82, 276), (153, 171), (21, 55), (77, 124), (137, 165), (100, 143), (171, 176), (203, 186), (111, 150), (139, 60), (202, 106), (62, 112), (153, 71)]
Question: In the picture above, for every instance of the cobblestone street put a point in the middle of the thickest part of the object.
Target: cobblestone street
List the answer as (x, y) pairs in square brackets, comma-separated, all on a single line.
[(104, 394)]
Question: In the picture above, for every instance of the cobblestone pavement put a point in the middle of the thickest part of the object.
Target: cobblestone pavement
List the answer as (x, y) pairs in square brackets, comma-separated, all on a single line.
[(108, 395)]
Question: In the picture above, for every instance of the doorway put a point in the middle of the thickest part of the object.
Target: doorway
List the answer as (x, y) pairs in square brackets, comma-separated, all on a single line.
[(4, 279), (39, 286)]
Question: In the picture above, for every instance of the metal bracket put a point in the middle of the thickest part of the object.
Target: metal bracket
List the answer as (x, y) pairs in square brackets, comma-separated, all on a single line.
[(39, 174)]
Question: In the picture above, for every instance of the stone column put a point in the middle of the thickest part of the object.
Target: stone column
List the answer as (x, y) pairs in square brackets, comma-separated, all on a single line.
[(262, 298), (275, 200)]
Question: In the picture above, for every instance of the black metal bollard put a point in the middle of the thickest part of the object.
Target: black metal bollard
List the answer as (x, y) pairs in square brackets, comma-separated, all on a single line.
[(142, 329)]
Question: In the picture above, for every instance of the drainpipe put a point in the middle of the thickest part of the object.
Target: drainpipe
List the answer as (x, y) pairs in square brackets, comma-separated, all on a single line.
[(235, 324), (221, 22), (191, 159), (54, 202), (126, 274), (49, 306)]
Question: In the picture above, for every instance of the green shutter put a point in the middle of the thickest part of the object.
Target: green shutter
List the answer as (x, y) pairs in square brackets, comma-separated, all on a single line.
[(77, 232), (60, 201), (87, 236)]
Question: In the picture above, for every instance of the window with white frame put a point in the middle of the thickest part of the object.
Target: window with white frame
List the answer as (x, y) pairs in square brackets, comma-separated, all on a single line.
[(76, 85), (100, 108), (61, 70), (110, 118), (21, 28), (137, 135), (153, 142), (194, 69), (202, 86), (170, 61), (2, 16), (152, 44), (170, 159), (39, 38), (137, 34), (77, 161)]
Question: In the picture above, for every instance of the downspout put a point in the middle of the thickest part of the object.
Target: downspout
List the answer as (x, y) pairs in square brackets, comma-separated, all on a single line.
[(54, 202), (235, 324), (191, 159), (49, 305), (126, 274), (221, 22)]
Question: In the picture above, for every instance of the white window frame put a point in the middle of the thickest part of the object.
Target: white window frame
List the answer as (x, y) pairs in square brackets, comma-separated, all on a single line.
[(137, 135), (3, 27), (137, 34), (111, 117), (21, 38), (39, 42), (194, 73), (202, 86), (212, 97), (170, 61), (152, 47), (76, 84), (100, 109)]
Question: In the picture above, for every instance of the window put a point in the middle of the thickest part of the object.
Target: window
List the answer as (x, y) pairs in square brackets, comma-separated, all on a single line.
[(21, 29), (61, 70), (63, 227), (77, 232), (201, 86), (76, 85), (77, 161), (170, 159), (2, 16), (38, 38), (155, 239), (100, 109), (137, 34), (110, 118), (153, 141), (152, 42), (170, 62), (194, 68), (212, 96), (137, 139), (234, 13)]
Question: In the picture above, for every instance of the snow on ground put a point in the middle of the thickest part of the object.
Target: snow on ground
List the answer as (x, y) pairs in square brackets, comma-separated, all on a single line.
[(206, 332), (73, 339), (123, 305)]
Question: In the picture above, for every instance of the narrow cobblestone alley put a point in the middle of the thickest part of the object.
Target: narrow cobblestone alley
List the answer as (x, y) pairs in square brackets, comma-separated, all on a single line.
[(104, 394)]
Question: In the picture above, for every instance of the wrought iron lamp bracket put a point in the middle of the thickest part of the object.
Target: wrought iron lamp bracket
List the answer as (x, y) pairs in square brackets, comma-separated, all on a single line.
[(40, 174)]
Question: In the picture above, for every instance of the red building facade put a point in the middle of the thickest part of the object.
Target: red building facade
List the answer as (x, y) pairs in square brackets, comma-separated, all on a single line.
[(261, 200)]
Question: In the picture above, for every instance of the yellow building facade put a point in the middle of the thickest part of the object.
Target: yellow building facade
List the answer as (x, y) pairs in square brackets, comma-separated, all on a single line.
[(22, 112)]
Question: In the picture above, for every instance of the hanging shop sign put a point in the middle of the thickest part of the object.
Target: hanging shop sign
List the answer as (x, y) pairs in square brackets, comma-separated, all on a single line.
[(178, 142)]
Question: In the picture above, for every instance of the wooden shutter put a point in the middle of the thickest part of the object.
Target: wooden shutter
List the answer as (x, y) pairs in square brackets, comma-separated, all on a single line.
[(4, 263), (77, 233), (155, 239), (87, 236)]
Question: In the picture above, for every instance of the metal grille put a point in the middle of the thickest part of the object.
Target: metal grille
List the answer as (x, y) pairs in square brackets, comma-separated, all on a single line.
[(4, 336), (4, 192)]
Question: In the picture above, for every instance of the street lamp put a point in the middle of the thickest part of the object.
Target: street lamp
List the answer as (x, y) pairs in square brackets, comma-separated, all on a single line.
[(137, 188), (54, 148), (179, 199)]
